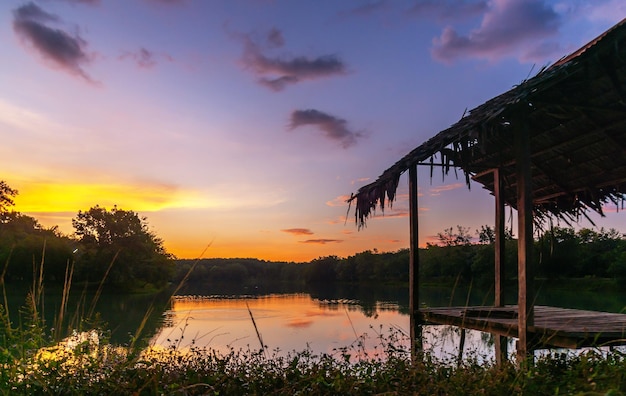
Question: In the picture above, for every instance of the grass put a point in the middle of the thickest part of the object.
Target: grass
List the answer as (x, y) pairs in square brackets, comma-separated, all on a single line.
[(88, 368), (34, 360)]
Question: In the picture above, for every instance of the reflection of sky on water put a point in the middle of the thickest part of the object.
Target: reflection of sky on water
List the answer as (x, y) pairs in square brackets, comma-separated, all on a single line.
[(295, 322), (290, 322)]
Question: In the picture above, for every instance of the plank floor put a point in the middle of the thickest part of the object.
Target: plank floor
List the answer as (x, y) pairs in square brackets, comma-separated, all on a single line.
[(553, 327)]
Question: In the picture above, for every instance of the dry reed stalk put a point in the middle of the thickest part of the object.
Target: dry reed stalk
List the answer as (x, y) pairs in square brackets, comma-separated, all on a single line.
[(193, 266), (69, 272), (92, 307), (139, 330), (37, 288), (4, 291), (258, 335), (150, 309)]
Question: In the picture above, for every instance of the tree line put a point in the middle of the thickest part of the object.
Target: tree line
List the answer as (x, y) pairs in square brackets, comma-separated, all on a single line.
[(114, 247), (457, 256)]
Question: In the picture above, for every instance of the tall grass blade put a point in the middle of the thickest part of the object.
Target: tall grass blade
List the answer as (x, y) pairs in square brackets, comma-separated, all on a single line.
[(258, 335), (6, 317), (142, 325), (92, 307), (69, 272), (193, 266)]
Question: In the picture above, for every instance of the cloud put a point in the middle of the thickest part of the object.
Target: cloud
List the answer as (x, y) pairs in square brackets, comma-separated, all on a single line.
[(447, 9), (56, 46), (367, 9), (275, 38), (448, 187), (321, 241), (360, 180), (334, 128), (88, 2), (298, 231), (276, 73), (166, 2), (144, 58), (508, 28), (339, 201), (611, 11)]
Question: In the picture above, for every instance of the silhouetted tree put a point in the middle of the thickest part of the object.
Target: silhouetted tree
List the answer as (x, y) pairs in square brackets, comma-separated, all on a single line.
[(6, 196), (122, 237)]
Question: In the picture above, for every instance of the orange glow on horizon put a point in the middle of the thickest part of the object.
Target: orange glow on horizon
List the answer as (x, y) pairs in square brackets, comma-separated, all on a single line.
[(51, 197)]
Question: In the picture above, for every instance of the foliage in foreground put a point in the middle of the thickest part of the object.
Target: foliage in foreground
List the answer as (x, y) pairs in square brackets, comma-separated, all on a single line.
[(81, 366)]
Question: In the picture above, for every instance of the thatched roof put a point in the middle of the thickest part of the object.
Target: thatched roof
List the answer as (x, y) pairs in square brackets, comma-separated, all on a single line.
[(575, 113)]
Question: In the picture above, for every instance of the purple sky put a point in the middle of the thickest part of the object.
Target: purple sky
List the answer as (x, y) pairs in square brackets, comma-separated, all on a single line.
[(247, 123)]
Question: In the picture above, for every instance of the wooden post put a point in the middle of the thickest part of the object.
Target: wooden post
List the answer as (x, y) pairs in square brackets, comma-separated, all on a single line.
[(525, 240), (500, 240), (416, 329), (500, 341)]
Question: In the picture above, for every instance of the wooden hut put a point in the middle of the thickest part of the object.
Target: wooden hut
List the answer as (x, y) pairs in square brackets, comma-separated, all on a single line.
[(553, 146)]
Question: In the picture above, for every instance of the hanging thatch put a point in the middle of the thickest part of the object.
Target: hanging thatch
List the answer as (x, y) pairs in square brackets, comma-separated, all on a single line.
[(575, 113)]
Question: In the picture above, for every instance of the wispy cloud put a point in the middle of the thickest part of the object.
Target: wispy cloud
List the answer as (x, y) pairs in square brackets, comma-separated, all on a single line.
[(298, 231), (335, 128), (367, 9), (57, 47), (392, 214), (508, 28), (276, 73), (166, 2), (339, 201), (360, 180), (321, 241), (447, 9), (448, 187), (88, 2), (144, 58)]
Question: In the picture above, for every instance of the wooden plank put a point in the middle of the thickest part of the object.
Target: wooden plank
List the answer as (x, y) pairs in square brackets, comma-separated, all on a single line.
[(554, 327)]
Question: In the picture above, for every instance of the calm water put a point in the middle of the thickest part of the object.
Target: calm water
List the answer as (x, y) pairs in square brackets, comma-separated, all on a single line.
[(297, 321), (322, 319), (288, 322)]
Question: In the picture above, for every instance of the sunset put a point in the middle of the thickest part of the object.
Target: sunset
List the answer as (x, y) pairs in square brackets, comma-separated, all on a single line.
[(294, 197), (231, 123)]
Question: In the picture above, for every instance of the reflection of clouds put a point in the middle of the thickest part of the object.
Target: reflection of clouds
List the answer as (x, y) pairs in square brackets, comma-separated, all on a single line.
[(300, 323), (325, 313), (289, 322)]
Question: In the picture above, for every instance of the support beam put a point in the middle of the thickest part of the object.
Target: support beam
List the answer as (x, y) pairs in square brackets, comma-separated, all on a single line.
[(416, 329), (500, 239), (501, 342), (525, 297)]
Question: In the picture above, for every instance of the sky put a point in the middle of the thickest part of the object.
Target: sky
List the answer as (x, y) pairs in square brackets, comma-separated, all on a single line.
[(244, 125)]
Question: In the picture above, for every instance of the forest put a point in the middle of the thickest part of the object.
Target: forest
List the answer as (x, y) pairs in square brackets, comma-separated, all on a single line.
[(559, 253)]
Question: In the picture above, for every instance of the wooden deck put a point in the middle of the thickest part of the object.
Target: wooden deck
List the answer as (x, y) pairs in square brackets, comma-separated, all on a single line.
[(553, 327)]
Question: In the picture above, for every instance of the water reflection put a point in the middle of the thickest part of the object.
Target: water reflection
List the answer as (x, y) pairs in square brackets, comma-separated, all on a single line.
[(286, 322)]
